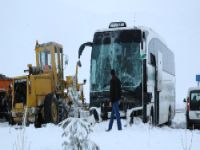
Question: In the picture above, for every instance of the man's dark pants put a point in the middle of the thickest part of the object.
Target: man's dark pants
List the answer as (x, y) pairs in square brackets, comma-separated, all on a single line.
[(115, 110)]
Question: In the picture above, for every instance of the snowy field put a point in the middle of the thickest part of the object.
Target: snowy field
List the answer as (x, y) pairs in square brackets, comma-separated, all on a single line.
[(139, 136)]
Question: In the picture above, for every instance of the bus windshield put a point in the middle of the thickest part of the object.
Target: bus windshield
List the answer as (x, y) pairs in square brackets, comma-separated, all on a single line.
[(119, 50)]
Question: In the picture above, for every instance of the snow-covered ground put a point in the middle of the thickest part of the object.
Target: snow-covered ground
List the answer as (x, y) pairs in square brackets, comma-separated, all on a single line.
[(138, 136)]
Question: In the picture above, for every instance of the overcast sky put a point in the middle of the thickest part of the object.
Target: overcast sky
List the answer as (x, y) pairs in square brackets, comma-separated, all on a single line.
[(71, 23)]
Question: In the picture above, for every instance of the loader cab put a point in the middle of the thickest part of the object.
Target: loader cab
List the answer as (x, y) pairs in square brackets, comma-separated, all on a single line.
[(49, 58)]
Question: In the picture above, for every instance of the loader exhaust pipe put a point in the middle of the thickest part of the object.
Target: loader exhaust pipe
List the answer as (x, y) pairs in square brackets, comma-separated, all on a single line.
[(82, 47)]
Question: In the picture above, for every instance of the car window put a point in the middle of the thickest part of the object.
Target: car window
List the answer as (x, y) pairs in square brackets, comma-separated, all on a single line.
[(195, 96)]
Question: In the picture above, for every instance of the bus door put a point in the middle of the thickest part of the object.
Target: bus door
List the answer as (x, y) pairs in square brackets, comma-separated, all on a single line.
[(154, 64), (158, 86)]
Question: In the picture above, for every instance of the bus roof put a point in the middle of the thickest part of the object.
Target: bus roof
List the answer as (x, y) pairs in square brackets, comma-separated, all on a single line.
[(148, 31)]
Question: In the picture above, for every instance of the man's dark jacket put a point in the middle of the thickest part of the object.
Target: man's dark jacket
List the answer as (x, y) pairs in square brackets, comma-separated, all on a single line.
[(115, 89)]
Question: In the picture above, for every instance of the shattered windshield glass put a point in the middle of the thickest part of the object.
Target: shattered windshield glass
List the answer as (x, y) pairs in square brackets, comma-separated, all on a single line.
[(119, 51)]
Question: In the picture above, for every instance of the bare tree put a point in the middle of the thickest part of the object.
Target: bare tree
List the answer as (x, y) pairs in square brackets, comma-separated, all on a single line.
[(76, 131)]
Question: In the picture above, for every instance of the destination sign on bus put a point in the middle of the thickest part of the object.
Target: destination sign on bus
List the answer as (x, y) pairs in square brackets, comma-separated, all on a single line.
[(117, 24)]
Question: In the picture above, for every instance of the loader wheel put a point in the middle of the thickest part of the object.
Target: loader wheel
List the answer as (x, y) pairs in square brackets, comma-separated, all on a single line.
[(38, 120), (11, 120), (7, 110), (51, 109)]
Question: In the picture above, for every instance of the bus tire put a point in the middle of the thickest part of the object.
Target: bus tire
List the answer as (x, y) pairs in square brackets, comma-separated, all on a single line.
[(169, 122), (151, 118), (95, 114), (132, 118)]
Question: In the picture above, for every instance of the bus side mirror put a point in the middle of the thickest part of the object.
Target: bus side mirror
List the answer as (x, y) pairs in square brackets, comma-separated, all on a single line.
[(184, 100), (79, 63), (82, 47)]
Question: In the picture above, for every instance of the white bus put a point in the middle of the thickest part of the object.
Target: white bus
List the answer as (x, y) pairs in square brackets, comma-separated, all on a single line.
[(145, 66)]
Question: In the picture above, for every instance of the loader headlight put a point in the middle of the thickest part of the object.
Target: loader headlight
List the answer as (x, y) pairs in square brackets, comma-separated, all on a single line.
[(14, 114)]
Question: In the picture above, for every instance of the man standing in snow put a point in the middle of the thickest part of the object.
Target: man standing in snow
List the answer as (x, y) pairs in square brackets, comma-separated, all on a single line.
[(115, 95)]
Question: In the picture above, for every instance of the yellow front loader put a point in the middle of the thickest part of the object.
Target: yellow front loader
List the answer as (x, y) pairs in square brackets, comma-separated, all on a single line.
[(42, 91)]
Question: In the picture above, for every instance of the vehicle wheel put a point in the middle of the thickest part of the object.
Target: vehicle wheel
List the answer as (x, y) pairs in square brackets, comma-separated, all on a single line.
[(151, 118), (7, 117), (132, 118), (7, 110), (188, 125), (3, 108), (96, 116), (169, 123), (38, 120), (51, 109), (104, 116), (61, 111), (11, 121)]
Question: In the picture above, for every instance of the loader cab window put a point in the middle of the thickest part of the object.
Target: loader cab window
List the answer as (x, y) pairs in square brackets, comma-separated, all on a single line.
[(45, 60), (59, 59)]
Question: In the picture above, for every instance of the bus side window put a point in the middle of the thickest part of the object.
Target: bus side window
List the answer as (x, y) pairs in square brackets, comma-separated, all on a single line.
[(153, 59)]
